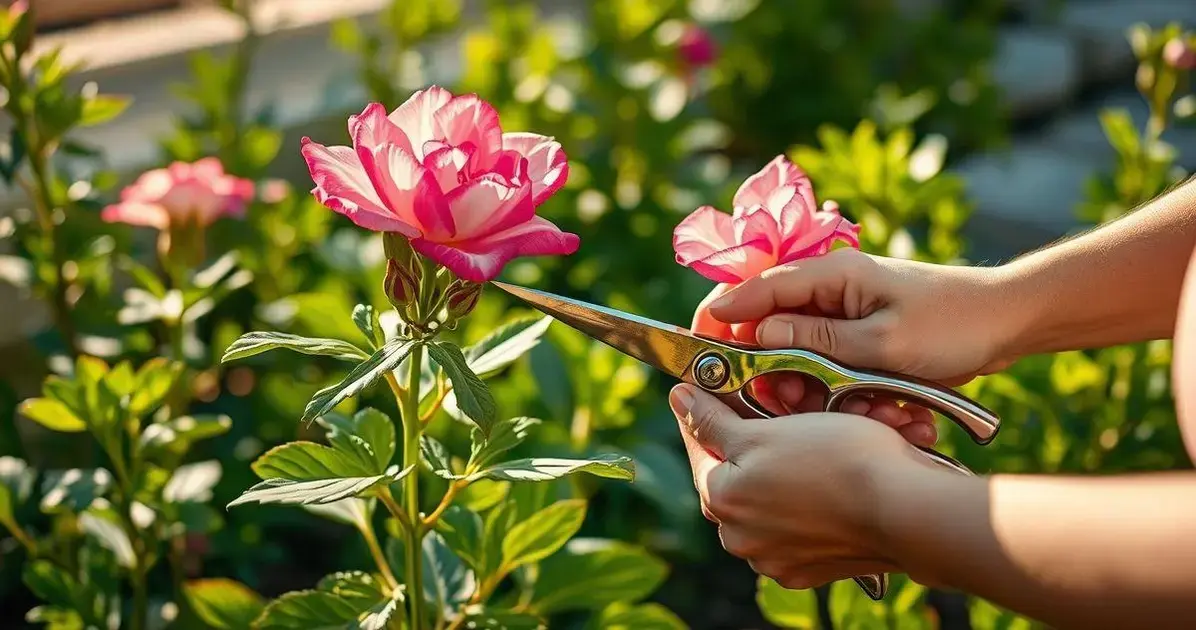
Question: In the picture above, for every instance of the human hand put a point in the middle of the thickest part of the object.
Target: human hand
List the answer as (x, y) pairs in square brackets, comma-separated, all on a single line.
[(869, 312), (795, 496)]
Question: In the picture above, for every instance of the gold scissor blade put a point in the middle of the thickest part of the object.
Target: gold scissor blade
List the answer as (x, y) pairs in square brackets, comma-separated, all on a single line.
[(668, 348)]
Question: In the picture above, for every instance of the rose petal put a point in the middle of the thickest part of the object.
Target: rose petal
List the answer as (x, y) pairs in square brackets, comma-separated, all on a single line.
[(547, 164), (482, 260), (344, 187), (705, 231), (137, 213), (409, 191), (448, 165), (757, 225), (512, 167), (371, 128), (470, 119), (415, 117), (829, 228), (736, 264), (784, 189), (488, 205)]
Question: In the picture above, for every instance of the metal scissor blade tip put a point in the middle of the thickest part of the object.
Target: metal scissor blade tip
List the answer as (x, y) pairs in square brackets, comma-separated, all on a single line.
[(665, 347)]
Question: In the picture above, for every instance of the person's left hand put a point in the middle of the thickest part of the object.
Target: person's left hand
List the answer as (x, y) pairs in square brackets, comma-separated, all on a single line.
[(795, 496)]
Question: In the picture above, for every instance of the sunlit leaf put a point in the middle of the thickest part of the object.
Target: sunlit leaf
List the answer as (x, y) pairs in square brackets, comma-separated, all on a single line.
[(52, 414), (786, 608), (73, 490), (543, 533), (472, 395), (505, 345), (223, 604), (435, 457), (369, 436), (192, 482), (110, 535), (383, 361), (16, 482), (102, 108), (549, 468), (504, 620), (254, 343), (640, 617), (505, 435), (592, 574)]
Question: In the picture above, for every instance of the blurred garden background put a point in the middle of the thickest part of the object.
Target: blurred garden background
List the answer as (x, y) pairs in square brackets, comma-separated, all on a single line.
[(955, 131)]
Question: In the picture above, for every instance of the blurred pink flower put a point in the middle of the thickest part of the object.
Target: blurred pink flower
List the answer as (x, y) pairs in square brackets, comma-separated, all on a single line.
[(440, 171), (696, 47), (1179, 55), (18, 8), (776, 220), (180, 194)]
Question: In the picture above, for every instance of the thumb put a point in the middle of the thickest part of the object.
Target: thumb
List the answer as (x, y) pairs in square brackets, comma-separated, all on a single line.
[(712, 425), (854, 341)]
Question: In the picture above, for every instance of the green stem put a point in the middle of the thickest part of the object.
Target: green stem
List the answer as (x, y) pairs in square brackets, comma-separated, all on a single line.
[(371, 541), (38, 164), (22, 537), (140, 592), (409, 405)]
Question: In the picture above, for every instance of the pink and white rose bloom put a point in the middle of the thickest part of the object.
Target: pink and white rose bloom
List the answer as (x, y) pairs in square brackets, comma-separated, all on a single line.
[(181, 194), (440, 170), (776, 220)]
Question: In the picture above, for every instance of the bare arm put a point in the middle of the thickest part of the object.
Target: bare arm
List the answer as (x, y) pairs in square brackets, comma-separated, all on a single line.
[(1117, 284), (1075, 553)]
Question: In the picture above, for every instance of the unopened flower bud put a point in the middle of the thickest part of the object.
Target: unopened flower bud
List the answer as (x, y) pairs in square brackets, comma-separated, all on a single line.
[(1179, 54), (402, 285), (462, 298)]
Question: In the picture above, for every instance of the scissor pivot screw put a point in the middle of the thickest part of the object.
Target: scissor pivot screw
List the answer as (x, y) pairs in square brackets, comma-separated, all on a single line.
[(711, 371)]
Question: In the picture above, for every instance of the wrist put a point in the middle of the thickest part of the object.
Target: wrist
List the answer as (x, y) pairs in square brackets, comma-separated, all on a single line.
[(1016, 312)]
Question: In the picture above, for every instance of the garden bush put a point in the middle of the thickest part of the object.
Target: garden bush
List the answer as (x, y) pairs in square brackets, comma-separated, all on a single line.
[(158, 404)]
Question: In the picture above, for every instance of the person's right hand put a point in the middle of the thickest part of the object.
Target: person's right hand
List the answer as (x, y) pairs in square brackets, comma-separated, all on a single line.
[(944, 323)]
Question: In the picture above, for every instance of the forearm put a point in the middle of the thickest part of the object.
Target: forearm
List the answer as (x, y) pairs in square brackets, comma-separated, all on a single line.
[(1116, 284), (1074, 553)]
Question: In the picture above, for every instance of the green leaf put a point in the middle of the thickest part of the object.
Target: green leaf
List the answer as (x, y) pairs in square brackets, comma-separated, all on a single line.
[(55, 618), (64, 593), (549, 468), (310, 473), (503, 620), (369, 436), (102, 108), (447, 580), (354, 512), (175, 436), (473, 397), (461, 530), (483, 494), (366, 320), (383, 361), (786, 608), (16, 482), (505, 345), (659, 472), (359, 588), (436, 457), (641, 617), (505, 436), (104, 529), (255, 343), (192, 482), (153, 382), (543, 533), (592, 574), (73, 490), (307, 610), (1120, 131), (52, 414), (143, 275), (315, 491), (224, 604)]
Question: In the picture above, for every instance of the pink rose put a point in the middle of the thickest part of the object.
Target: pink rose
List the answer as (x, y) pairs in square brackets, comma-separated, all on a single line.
[(440, 171), (775, 221), (181, 194), (1179, 55), (696, 47)]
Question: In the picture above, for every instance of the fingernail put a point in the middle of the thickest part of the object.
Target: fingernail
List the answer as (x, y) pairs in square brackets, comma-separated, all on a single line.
[(681, 400), (774, 334)]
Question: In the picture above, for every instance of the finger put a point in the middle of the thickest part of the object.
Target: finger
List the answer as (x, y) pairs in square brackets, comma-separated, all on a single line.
[(821, 281), (889, 412), (855, 341), (701, 463), (815, 575), (797, 393), (704, 323), (715, 426), (764, 393), (744, 332), (920, 434)]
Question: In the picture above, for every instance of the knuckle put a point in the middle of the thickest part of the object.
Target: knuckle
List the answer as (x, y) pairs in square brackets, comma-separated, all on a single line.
[(723, 502), (824, 335)]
